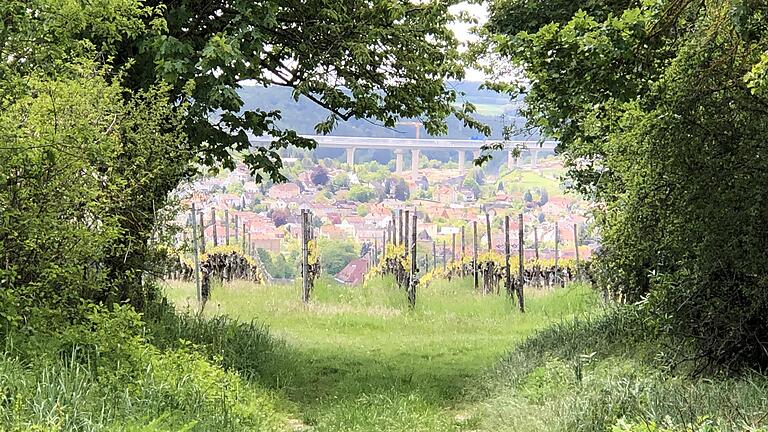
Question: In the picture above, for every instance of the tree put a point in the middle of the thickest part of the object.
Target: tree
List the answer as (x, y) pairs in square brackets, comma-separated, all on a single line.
[(528, 196), (659, 107), (360, 193), (319, 175), (336, 254), (340, 181), (235, 188), (471, 184), (279, 216), (168, 73), (205, 51), (478, 175), (401, 192)]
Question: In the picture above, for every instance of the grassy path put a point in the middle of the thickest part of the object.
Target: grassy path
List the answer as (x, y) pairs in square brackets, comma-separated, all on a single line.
[(363, 362)]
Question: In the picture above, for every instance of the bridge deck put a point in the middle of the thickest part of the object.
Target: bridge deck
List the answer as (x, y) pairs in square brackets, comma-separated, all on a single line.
[(409, 143)]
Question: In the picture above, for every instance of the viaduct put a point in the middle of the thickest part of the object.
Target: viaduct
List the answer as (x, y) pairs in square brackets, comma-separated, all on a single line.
[(400, 145)]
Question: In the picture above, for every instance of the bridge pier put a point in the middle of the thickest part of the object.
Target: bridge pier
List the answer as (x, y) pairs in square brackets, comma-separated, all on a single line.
[(462, 161), (475, 155), (398, 161), (415, 163), (511, 160), (534, 158), (350, 156)]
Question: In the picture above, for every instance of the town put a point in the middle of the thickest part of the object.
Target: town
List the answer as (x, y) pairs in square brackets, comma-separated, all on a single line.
[(353, 205)]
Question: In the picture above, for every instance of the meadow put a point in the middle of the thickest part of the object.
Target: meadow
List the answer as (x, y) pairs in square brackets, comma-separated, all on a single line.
[(360, 360)]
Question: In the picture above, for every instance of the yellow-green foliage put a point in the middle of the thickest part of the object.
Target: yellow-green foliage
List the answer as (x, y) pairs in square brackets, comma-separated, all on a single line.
[(454, 267), (392, 253), (312, 252)]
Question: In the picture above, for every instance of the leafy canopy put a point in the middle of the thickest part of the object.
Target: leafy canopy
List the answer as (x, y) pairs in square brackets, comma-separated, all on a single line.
[(660, 108)]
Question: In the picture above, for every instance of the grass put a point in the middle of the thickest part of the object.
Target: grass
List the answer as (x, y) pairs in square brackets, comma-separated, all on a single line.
[(361, 361), (101, 375), (357, 359), (609, 373)]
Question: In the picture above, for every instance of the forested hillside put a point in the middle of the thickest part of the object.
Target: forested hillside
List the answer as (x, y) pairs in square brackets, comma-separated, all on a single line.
[(493, 109)]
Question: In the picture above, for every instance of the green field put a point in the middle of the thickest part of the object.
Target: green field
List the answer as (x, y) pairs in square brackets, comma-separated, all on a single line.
[(361, 361)]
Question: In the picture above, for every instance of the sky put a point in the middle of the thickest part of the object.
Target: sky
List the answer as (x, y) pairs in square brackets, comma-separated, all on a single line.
[(463, 32)]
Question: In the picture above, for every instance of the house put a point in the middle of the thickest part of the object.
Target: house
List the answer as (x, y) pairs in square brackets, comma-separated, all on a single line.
[(367, 233), (266, 243), (228, 200), (422, 183), (333, 232), (354, 272), (444, 194), (284, 191)]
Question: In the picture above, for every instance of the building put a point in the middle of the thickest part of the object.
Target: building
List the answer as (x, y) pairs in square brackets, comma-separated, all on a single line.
[(354, 272), (284, 191)]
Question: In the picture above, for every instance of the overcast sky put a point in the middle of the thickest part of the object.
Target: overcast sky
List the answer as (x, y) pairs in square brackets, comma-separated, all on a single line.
[(463, 32)]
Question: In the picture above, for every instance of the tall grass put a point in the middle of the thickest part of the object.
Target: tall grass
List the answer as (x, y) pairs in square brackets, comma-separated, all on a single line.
[(607, 373), (243, 346), (102, 375)]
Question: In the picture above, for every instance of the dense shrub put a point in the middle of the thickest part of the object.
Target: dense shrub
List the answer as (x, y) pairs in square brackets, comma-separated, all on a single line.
[(660, 112)]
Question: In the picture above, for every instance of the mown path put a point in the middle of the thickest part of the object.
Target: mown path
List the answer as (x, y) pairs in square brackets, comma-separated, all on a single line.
[(363, 362)]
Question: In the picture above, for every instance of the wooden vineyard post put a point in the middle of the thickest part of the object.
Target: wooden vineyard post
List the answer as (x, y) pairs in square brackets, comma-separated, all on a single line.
[(453, 247), (488, 230), (375, 250), (463, 252), (557, 253), (521, 247), (383, 245), (536, 242), (507, 270), (576, 246), (412, 280), (198, 290), (400, 239), (243, 237), (474, 252), (407, 238), (304, 258), (394, 228), (213, 226), (250, 244), (445, 254), (237, 227), (226, 225), (487, 289), (202, 233), (434, 255)]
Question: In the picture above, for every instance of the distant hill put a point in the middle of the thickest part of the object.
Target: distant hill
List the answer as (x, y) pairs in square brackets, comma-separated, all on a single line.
[(304, 114)]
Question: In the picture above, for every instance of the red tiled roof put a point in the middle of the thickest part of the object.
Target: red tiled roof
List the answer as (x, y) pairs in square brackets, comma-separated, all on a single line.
[(354, 272)]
